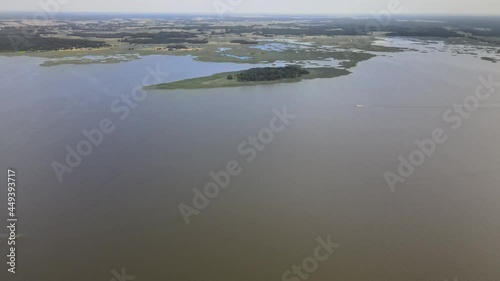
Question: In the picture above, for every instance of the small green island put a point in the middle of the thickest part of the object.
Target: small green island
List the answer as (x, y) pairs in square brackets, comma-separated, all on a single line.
[(251, 77)]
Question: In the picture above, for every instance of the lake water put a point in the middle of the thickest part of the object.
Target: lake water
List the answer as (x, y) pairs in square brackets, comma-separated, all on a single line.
[(323, 175)]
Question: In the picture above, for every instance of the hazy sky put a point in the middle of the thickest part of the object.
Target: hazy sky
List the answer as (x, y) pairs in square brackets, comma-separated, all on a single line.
[(259, 6)]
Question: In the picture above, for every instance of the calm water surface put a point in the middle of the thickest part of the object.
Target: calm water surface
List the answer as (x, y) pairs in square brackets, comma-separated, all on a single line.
[(323, 175)]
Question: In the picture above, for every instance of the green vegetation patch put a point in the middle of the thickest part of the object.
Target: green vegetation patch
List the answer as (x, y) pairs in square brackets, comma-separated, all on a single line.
[(222, 79), (13, 39), (270, 73), (244, 42)]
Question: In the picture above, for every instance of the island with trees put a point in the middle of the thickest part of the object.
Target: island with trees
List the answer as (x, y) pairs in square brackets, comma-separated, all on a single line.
[(253, 76)]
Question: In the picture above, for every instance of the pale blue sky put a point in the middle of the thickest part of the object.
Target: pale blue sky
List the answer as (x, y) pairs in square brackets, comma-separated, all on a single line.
[(260, 6)]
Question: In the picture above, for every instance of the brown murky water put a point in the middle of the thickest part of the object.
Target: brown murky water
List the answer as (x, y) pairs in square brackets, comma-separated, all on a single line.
[(322, 175)]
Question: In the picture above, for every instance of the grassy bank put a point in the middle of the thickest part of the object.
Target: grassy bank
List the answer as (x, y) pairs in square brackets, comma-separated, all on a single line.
[(220, 80)]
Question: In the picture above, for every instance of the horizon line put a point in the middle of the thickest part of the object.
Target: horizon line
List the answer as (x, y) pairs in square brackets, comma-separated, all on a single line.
[(248, 14)]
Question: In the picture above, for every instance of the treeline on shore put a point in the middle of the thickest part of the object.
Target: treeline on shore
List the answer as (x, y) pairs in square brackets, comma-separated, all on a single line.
[(20, 40)]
